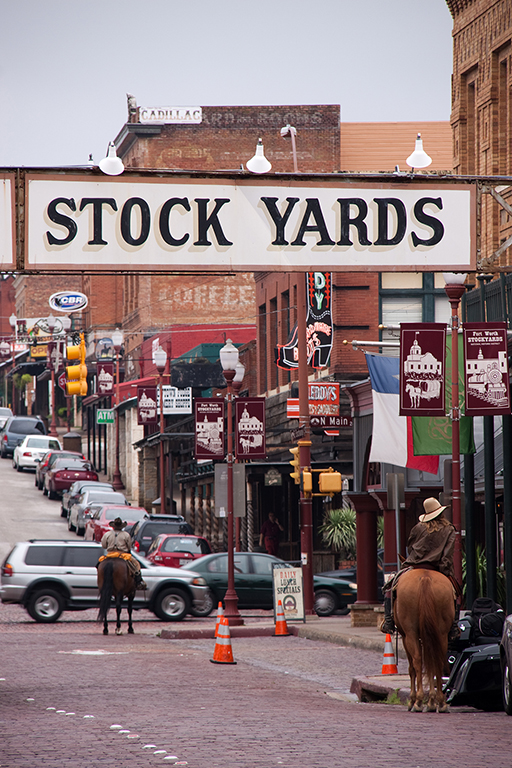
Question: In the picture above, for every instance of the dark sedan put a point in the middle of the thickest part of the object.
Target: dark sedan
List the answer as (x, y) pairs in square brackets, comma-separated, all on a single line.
[(65, 472), (47, 462), (253, 582)]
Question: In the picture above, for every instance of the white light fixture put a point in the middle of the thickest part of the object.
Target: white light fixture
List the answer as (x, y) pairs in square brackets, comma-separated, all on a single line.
[(12, 320), (454, 278), (228, 356), (117, 340), (239, 372), (112, 165), (258, 163), (160, 359), (51, 323), (5, 349), (419, 158)]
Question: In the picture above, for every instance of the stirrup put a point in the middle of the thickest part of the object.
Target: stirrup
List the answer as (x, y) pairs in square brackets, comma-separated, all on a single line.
[(454, 632), (387, 626)]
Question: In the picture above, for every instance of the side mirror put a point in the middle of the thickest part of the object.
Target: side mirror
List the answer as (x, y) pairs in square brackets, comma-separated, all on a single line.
[(37, 461)]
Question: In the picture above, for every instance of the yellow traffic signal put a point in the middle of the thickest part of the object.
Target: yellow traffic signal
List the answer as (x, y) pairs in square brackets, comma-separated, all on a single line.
[(329, 482), (76, 375), (307, 481), (295, 464)]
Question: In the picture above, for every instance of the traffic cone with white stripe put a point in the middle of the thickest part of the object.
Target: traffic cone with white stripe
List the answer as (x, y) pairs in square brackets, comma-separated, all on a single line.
[(281, 625), (223, 653), (389, 662), (220, 614)]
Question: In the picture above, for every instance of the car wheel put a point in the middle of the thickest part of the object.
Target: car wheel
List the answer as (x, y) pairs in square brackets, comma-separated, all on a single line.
[(40, 485), (45, 490), (63, 512), (3, 454), (80, 531), (45, 606), (171, 604), (507, 691), (209, 605), (71, 527), (51, 494), (35, 482), (13, 463), (325, 602), (19, 468)]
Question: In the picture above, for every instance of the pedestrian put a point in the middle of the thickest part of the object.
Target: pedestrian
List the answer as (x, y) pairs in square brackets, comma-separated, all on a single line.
[(431, 545), (269, 534), (118, 540)]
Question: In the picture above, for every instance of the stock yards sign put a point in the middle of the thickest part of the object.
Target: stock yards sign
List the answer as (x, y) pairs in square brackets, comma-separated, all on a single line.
[(187, 222)]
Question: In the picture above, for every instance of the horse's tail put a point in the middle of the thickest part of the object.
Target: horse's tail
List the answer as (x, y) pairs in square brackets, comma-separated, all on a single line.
[(106, 589), (430, 631)]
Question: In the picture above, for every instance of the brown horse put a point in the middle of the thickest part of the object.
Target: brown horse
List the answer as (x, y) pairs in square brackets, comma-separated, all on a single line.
[(424, 612), (115, 579)]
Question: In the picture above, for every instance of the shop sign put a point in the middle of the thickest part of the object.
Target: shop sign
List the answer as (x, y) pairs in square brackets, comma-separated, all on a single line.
[(196, 223), (319, 326), (105, 416), (273, 477), (68, 301), (105, 378), (422, 369), (209, 428), (250, 428), (323, 399), (171, 115), (175, 400), (146, 405), (486, 381), (288, 588), (7, 222)]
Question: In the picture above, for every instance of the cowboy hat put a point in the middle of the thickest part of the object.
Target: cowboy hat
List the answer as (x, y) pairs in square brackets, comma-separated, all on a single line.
[(117, 523), (432, 510)]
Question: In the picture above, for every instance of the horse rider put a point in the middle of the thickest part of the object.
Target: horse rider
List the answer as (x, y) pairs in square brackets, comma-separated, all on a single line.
[(118, 540), (431, 544)]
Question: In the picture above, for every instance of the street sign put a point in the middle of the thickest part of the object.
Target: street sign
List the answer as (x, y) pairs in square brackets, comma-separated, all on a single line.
[(105, 416)]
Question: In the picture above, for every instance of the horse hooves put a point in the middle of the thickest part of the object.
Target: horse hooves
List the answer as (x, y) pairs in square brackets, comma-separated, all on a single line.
[(130, 630), (432, 708), (442, 710), (105, 631), (417, 707), (119, 631)]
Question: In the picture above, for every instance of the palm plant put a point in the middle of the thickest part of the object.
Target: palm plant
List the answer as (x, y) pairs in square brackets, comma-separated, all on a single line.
[(339, 531)]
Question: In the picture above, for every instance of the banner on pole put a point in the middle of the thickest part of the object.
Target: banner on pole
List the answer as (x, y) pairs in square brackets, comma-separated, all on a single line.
[(422, 370), (486, 376), (146, 405), (250, 428), (209, 428), (105, 378)]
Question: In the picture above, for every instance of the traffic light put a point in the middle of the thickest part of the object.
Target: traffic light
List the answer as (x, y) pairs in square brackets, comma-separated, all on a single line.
[(329, 482), (307, 481), (76, 375), (295, 464)]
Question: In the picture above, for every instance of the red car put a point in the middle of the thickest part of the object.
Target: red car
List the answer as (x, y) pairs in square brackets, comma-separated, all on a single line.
[(175, 549), (48, 460), (64, 472), (99, 522)]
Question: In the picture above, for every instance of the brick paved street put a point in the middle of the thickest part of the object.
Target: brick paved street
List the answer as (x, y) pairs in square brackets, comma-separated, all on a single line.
[(285, 703)]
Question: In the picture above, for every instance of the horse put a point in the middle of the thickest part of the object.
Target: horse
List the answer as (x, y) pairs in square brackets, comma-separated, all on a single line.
[(115, 579), (415, 394), (424, 611)]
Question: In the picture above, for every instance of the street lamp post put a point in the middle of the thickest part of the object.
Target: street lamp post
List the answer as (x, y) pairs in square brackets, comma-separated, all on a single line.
[(52, 358), (117, 341), (454, 289), (228, 360), (290, 132), (160, 358), (237, 385), (13, 323)]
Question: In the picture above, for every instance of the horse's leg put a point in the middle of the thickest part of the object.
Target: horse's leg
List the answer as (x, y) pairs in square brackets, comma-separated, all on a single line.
[(413, 649), (105, 625), (119, 600), (130, 609), (432, 698)]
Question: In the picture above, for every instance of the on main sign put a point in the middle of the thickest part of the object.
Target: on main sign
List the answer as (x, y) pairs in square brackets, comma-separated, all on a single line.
[(189, 223)]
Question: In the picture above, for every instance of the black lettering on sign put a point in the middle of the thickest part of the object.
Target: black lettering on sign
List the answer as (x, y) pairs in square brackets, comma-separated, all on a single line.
[(357, 221), (97, 210), (313, 210), (422, 217), (145, 221), (205, 222), (59, 218), (164, 224), (383, 205), (279, 221)]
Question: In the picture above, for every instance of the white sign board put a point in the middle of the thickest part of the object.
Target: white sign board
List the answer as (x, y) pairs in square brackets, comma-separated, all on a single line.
[(289, 589), (175, 400), (175, 115), (7, 226), (243, 224)]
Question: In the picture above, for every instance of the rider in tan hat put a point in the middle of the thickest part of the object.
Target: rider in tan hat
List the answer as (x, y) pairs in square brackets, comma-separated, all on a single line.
[(118, 540), (430, 545)]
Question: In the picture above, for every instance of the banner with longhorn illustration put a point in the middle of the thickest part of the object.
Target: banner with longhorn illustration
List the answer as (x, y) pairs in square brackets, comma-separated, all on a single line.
[(319, 326), (422, 369)]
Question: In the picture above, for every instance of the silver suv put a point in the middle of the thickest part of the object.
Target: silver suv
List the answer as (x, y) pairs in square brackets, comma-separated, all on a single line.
[(48, 577)]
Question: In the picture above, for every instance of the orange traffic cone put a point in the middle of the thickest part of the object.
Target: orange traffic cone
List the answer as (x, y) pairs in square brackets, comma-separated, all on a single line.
[(223, 653), (281, 626), (389, 662), (220, 614)]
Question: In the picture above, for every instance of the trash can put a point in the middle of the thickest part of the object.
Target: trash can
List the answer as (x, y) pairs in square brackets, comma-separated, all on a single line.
[(72, 441)]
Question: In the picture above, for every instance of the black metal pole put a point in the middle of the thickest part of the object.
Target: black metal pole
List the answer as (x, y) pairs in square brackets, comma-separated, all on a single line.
[(490, 507), (470, 541), (507, 506)]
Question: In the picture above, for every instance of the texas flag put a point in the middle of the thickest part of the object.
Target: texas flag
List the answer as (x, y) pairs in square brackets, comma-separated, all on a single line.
[(392, 434)]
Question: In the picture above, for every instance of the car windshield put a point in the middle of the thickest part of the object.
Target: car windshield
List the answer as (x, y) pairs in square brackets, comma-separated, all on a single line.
[(62, 455), (25, 426), (5, 412), (186, 544), (134, 514), (69, 464), (113, 498), (42, 442)]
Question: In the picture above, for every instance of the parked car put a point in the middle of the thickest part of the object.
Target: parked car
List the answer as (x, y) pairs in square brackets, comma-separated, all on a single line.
[(64, 472), (506, 664), (47, 462), (175, 550), (30, 452), (48, 577), (350, 574), (77, 517), (253, 582), (4, 415), (98, 521), (71, 495), (15, 429), (145, 530)]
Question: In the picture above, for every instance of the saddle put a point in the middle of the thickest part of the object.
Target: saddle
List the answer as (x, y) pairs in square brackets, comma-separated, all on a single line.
[(122, 555)]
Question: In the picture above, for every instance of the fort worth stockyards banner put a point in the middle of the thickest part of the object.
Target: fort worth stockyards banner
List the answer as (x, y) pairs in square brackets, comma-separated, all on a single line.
[(209, 428), (422, 369), (486, 369), (188, 222)]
